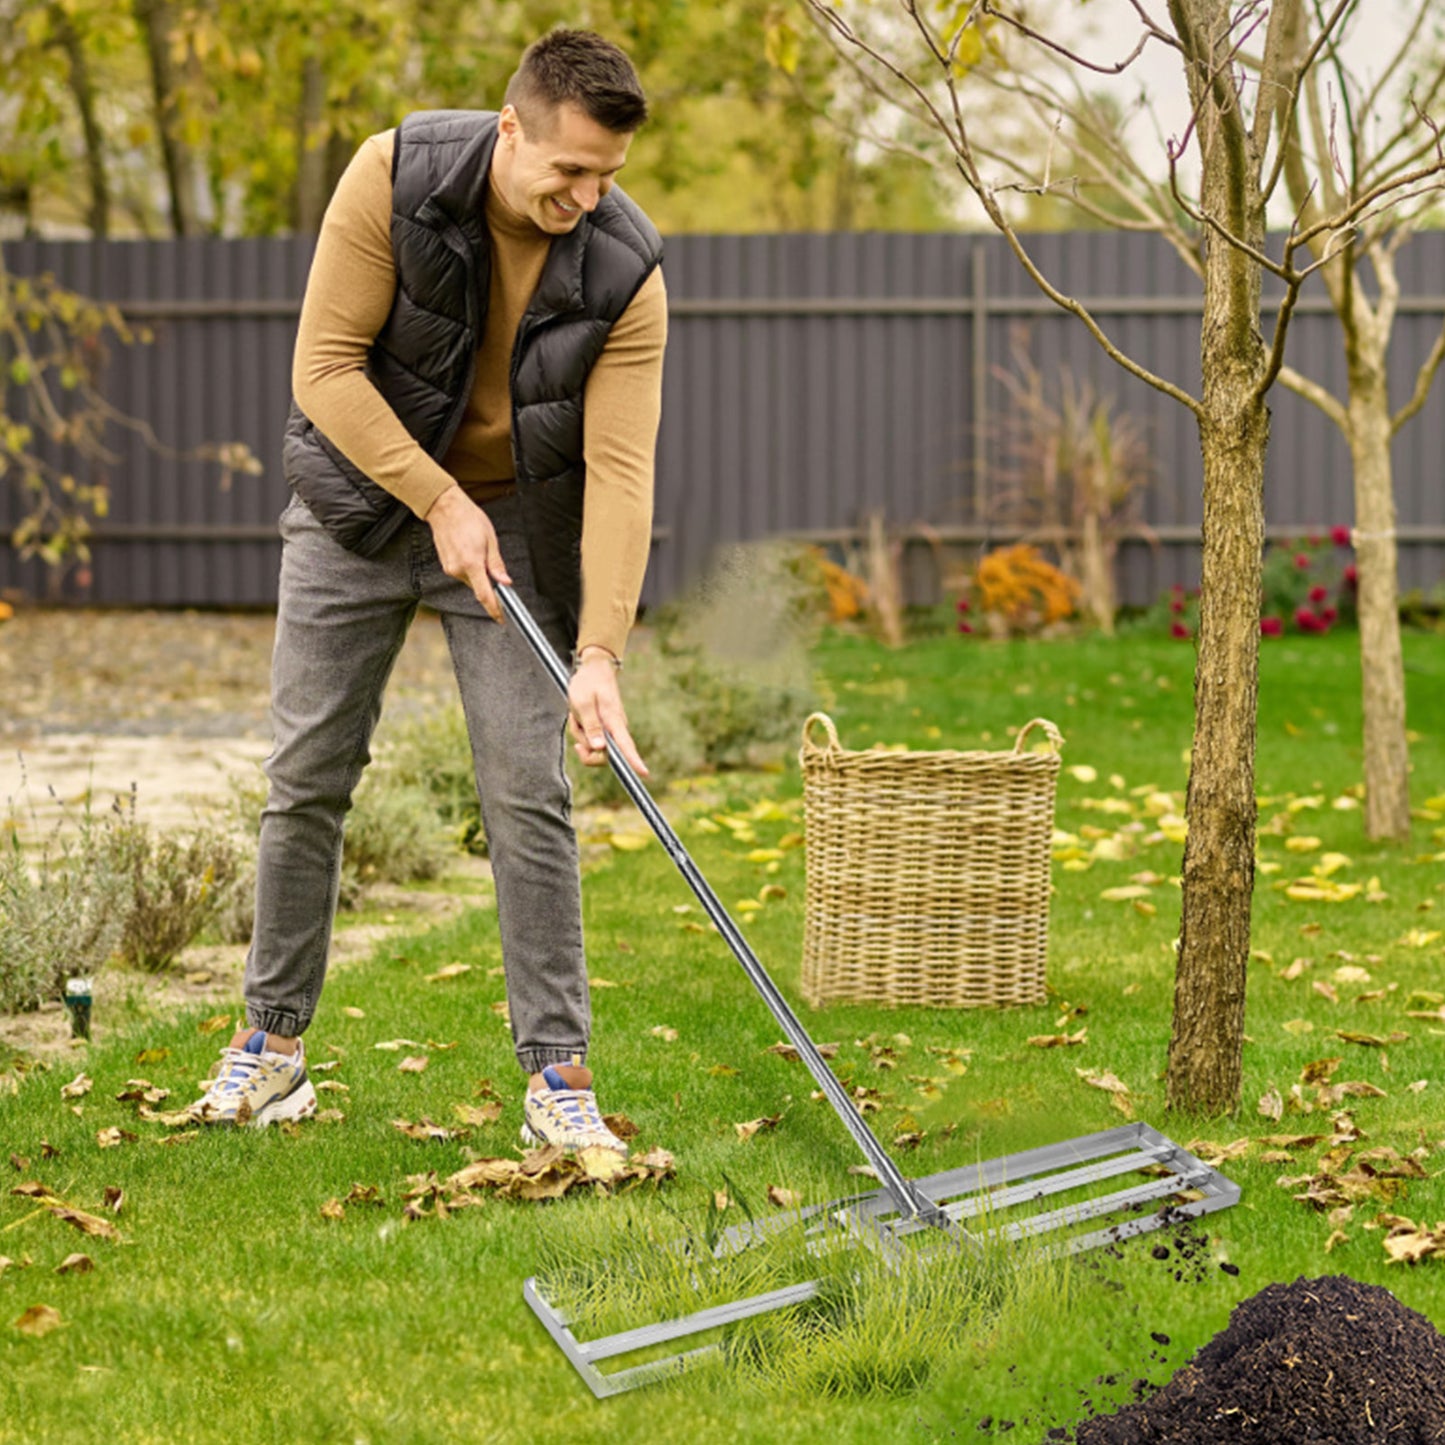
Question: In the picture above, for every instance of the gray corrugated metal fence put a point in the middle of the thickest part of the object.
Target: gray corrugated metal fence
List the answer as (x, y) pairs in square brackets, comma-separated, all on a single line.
[(811, 380)]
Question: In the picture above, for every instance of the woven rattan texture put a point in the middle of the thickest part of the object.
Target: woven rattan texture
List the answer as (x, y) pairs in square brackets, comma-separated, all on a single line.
[(927, 872)]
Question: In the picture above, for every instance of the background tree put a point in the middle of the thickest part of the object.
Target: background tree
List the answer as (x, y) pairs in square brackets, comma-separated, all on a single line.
[(237, 116), (1236, 142), (1346, 137), (1341, 136)]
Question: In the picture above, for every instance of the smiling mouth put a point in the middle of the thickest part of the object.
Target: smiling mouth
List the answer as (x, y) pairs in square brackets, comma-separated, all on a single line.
[(565, 209)]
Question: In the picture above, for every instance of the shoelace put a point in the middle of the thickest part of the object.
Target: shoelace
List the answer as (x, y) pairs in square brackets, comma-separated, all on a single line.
[(578, 1106), (236, 1069)]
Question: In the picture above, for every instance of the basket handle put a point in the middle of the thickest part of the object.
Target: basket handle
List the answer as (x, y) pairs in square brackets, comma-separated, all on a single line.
[(1052, 733), (808, 744)]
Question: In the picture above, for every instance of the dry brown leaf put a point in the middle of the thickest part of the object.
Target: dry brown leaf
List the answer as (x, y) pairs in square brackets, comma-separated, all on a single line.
[(746, 1131), (552, 1184), (1292, 1141), (19, 1163), (38, 1320), (333, 1209), (114, 1198), (352, 1012), (182, 1138), (152, 1056), (112, 1138), (485, 1174), (600, 1164), (142, 1091), (1059, 1041), (89, 1224), (477, 1114), (214, 1024), (169, 1118), (720, 1200), (423, 1129), (1373, 1041), (364, 1194), (784, 1198), (413, 1064), (663, 1032), (787, 1051), (78, 1087), (1294, 970), (657, 1161), (395, 1046), (1325, 990), (621, 1126), (1103, 1079), (1271, 1105), (1337, 1237), (451, 970), (75, 1264), (324, 1116)]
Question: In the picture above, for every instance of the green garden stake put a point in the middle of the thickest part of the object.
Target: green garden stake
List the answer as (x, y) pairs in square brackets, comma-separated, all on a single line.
[(77, 1001)]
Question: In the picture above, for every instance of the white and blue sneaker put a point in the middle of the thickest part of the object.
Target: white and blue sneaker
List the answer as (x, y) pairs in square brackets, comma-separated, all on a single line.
[(257, 1086), (566, 1117)]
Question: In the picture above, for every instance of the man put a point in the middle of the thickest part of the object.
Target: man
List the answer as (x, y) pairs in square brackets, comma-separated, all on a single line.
[(482, 332)]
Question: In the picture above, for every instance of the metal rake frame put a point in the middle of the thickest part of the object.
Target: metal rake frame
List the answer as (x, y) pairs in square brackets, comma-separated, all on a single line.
[(1178, 1185)]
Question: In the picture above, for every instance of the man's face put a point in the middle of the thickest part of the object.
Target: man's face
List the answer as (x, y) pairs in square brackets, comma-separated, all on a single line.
[(558, 170)]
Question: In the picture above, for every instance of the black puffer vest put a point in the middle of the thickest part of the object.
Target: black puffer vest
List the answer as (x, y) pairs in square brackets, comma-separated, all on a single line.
[(424, 357)]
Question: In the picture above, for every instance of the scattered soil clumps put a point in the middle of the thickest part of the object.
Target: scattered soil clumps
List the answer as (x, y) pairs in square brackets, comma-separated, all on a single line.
[(1329, 1361)]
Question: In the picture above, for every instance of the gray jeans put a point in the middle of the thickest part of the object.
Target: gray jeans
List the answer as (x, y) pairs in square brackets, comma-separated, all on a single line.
[(340, 624)]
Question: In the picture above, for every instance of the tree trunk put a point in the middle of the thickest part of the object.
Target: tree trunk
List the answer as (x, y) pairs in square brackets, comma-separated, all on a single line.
[(1207, 1042), (1382, 663), (183, 180), (83, 89), (309, 198)]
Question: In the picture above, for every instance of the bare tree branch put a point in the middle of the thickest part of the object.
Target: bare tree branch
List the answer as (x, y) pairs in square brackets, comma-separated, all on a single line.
[(1117, 68), (1424, 377), (1312, 391)]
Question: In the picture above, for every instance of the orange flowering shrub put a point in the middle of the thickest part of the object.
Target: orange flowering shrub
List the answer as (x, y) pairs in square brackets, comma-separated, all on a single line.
[(1016, 590)]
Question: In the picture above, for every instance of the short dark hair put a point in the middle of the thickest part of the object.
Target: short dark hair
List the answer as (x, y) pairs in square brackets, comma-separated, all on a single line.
[(580, 67)]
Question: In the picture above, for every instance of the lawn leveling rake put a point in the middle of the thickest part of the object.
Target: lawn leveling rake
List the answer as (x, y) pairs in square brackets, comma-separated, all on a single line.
[(1058, 1193)]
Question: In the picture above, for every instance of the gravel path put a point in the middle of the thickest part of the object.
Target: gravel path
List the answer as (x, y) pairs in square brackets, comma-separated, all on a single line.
[(172, 704)]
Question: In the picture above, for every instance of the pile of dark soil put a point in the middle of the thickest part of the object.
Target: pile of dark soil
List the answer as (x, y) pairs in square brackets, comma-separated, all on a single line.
[(1330, 1361)]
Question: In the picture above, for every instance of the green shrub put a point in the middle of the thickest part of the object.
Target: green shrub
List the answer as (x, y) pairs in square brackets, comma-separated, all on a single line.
[(62, 907), (177, 884), (430, 752), (392, 836)]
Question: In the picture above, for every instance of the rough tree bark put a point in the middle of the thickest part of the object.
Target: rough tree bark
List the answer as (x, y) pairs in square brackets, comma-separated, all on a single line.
[(82, 87), (1205, 1055), (184, 180)]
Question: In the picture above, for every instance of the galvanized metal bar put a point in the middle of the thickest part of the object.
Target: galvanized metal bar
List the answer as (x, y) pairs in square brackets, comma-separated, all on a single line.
[(877, 1209)]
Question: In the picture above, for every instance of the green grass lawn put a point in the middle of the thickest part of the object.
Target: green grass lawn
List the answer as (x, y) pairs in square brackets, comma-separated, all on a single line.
[(230, 1308)]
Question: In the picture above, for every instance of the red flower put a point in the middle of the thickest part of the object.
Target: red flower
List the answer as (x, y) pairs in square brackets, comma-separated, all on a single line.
[(1179, 630), (964, 627), (964, 605), (1328, 616), (1315, 540), (1177, 605), (1306, 621), (1318, 594), (1352, 576), (1340, 536), (1270, 627), (1302, 561)]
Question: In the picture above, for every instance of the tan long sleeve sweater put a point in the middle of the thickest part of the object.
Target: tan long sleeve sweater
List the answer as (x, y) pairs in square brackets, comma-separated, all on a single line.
[(349, 295)]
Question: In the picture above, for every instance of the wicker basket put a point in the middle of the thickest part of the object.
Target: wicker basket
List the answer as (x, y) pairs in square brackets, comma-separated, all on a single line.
[(928, 872)]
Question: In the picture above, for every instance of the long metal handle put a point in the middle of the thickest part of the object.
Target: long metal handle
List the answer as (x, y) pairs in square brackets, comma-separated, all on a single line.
[(904, 1193)]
